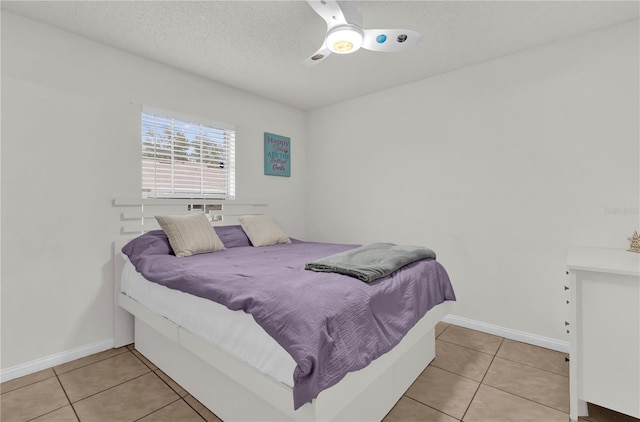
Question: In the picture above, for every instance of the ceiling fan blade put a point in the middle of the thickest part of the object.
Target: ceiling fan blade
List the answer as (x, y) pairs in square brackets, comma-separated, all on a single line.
[(350, 12), (390, 40), (317, 57), (329, 10)]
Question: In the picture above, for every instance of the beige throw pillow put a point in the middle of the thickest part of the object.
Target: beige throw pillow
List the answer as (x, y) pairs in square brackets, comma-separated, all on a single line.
[(190, 234), (263, 230)]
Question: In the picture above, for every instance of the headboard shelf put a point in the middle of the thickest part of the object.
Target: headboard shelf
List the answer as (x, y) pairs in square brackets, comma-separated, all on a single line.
[(138, 214)]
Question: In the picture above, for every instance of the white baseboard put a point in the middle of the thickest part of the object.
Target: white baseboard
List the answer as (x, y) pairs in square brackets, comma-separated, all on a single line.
[(534, 339), (53, 360)]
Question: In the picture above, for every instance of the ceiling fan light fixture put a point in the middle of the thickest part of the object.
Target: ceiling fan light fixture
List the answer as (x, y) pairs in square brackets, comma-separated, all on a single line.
[(346, 35), (344, 39)]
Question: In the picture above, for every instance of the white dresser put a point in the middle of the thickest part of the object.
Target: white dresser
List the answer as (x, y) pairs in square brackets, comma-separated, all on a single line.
[(604, 330)]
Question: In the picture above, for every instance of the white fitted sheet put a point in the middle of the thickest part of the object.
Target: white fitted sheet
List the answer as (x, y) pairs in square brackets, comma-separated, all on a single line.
[(234, 332)]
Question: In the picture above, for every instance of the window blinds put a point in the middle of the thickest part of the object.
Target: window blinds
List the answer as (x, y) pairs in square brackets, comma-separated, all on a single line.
[(186, 159)]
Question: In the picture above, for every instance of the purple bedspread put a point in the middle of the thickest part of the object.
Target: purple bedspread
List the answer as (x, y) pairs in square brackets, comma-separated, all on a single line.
[(330, 324)]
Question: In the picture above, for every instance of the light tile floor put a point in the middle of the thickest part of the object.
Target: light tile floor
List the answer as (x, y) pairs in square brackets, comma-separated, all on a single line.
[(475, 377)]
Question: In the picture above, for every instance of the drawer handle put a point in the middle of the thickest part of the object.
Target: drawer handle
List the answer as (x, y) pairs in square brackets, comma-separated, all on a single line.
[(566, 359), (566, 323), (566, 287), (567, 272), (568, 331)]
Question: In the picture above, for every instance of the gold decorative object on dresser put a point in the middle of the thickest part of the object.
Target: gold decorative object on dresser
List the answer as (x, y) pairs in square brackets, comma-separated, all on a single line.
[(635, 242)]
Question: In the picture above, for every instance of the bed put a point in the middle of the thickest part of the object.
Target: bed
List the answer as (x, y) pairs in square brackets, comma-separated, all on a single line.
[(239, 386)]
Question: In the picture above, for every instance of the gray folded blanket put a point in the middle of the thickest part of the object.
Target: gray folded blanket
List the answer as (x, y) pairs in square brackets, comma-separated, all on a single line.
[(371, 262)]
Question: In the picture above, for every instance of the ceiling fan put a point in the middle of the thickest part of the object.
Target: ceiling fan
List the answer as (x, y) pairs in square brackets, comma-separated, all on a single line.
[(345, 34)]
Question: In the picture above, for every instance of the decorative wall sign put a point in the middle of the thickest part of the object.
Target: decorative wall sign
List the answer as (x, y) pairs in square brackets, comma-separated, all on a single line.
[(277, 155)]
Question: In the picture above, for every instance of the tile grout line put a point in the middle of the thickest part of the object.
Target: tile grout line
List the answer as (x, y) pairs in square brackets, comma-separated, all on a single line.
[(431, 407), (527, 399), (508, 392), (152, 371), (89, 364), (532, 366), (196, 410), (166, 383), (482, 381), (517, 395), (430, 364), (28, 385), (467, 347), (456, 374), (418, 401), (171, 388), (112, 387), (501, 357), (67, 396), (142, 361), (162, 407), (56, 374), (566, 355), (139, 376)]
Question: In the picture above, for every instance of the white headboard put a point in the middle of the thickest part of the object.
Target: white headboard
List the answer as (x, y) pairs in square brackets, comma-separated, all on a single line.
[(137, 217), (138, 214)]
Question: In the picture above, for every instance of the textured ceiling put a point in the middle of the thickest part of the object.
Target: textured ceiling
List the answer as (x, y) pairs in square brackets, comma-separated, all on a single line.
[(258, 46)]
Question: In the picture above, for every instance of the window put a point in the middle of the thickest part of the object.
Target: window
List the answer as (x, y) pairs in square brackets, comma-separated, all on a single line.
[(182, 158)]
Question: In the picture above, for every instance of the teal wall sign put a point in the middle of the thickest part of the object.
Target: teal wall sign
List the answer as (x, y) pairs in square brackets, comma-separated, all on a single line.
[(277, 155)]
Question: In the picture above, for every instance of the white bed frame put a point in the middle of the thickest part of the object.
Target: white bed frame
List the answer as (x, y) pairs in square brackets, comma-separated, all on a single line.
[(235, 391)]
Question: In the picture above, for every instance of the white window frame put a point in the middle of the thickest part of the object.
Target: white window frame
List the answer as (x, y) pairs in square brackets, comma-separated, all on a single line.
[(173, 164)]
